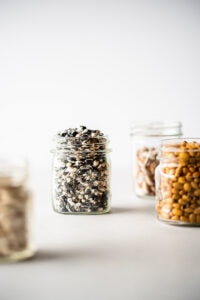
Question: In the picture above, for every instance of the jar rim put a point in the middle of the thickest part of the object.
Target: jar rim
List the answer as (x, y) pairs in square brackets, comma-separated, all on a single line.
[(104, 138), (13, 168), (174, 144), (156, 128), (182, 139), (71, 149), (71, 144)]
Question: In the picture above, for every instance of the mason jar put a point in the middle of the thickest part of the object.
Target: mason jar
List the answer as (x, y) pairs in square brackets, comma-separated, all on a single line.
[(146, 138), (15, 210), (178, 182), (81, 172)]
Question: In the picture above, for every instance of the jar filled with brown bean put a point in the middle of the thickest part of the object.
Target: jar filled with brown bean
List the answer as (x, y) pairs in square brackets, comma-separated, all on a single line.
[(178, 182), (15, 210), (146, 138)]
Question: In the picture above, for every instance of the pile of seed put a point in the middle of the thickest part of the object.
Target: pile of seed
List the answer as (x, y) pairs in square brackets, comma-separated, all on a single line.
[(81, 172), (13, 218), (178, 186)]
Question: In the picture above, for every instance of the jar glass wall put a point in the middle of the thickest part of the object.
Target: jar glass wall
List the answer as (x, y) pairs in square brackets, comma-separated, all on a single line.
[(146, 138), (178, 182), (15, 210), (81, 172)]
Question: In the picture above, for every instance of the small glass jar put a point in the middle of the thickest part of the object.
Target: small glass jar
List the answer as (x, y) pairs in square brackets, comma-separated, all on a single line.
[(15, 210), (178, 182), (81, 172), (145, 142)]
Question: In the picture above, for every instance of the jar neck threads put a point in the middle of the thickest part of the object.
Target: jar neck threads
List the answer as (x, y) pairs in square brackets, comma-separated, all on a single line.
[(183, 150), (156, 129), (74, 141)]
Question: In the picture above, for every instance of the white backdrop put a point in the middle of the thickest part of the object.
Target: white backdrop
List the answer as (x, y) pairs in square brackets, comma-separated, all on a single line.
[(103, 64), (96, 63)]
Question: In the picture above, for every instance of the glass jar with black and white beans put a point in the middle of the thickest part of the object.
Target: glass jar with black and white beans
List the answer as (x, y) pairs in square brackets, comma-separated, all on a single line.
[(146, 137), (81, 172)]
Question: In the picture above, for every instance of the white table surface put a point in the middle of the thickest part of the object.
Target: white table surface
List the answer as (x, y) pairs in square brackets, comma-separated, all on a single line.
[(127, 254)]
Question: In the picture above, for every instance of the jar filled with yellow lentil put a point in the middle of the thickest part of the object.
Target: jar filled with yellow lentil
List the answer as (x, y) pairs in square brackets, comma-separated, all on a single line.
[(178, 182)]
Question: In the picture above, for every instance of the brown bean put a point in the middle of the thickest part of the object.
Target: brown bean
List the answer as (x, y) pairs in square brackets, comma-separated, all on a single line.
[(175, 218), (197, 211), (192, 218), (184, 219), (177, 212)]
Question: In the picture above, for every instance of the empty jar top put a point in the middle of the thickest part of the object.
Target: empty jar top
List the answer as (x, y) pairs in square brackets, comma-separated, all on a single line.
[(156, 128), (13, 170)]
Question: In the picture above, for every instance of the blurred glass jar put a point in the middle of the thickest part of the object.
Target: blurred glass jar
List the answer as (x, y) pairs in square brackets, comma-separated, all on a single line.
[(15, 210), (81, 172), (178, 182), (145, 142)]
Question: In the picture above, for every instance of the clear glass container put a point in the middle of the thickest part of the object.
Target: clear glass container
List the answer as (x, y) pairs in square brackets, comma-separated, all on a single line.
[(146, 138), (15, 210), (81, 173), (178, 182)]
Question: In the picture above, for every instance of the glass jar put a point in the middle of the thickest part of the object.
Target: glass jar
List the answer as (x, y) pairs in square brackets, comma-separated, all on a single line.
[(178, 182), (81, 172), (145, 142), (15, 210)]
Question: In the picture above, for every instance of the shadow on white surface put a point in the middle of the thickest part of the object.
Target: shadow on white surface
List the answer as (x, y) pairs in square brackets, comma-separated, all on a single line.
[(64, 254), (148, 209)]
